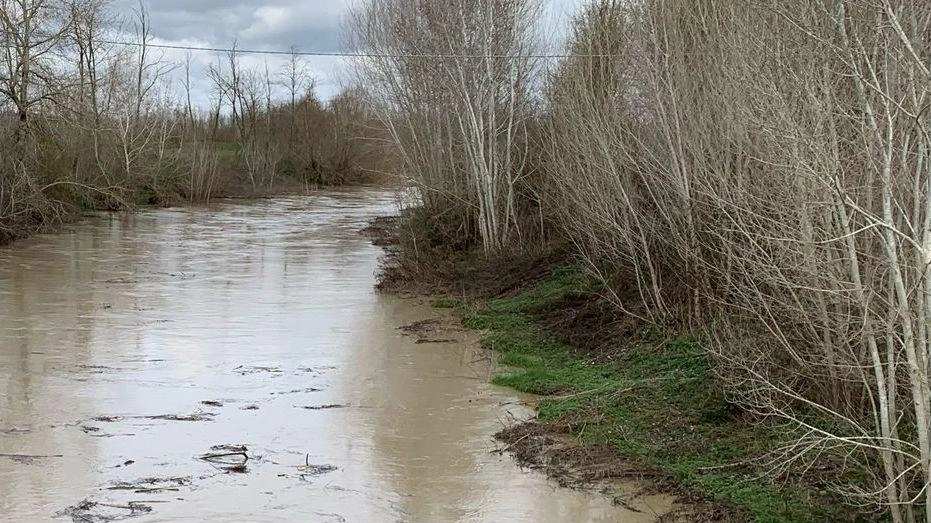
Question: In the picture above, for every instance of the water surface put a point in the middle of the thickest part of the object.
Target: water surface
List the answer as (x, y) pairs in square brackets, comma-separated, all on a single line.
[(133, 345)]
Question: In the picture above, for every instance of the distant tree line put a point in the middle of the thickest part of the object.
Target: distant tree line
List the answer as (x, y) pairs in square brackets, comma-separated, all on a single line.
[(88, 123)]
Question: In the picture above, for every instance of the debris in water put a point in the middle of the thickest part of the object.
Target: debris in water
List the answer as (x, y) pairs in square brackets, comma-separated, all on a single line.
[(14, 431), (250, 407), (315, 470), (422, 326), (242, 370), (230, 449), (108, 419), (98, 369), (29, 459), (322, 407), (297, 391), (212, 403), (122, 281), (230, 458), (152, 485), (197, 416), (93, 512), (428, 331), (331, 518), (96, 432), (307, 471)]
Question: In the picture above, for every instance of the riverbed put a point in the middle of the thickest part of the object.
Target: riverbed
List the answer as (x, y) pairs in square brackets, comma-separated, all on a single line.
[(234, 363)]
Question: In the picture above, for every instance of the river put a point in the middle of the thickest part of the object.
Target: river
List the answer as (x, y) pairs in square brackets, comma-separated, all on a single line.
[(234, 364)]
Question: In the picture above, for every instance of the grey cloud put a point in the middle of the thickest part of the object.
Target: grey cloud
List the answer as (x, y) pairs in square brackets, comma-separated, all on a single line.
[(309, 25), (313, 25)]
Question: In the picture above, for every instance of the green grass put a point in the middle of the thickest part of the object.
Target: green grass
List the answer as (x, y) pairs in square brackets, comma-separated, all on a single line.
[(658, 403), (445, 303)]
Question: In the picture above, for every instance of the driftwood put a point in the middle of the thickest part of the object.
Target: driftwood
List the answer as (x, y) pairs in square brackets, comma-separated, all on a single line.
[(229, 458)]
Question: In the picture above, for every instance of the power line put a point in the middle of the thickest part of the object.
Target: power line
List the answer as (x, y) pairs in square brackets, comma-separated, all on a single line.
[(344, 54), (338, 54)]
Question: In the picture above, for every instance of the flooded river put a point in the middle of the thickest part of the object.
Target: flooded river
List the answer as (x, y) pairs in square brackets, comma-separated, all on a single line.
[(234, 364)]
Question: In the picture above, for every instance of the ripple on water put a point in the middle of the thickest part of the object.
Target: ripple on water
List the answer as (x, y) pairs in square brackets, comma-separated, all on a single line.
[(190, 364)]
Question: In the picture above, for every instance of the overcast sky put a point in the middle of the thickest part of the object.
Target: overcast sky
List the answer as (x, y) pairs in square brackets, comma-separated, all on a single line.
[(309, 25)]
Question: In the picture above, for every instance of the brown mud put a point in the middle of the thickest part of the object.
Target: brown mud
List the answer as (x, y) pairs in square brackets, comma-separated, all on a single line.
[(552, 449), (588, 324), (460, 273)]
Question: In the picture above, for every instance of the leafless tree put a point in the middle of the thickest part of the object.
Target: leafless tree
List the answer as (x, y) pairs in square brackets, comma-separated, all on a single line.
[(770, 161), (31, 32), (453, 78), (297, 80)]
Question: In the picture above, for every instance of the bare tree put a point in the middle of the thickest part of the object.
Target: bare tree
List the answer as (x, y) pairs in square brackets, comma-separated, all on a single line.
[(297, 80), (454, 79), (31, 32), (769, 160), (89, 19), (186, 82), (149, 71), (220, 91)]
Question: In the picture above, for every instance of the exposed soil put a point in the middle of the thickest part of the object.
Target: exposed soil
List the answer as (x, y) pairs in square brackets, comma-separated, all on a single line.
[(583, 321), (383, 231), (552, 449), (587, 323), (457, 272)]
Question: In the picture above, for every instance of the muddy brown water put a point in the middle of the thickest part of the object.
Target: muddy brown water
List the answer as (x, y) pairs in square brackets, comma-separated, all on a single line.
[(139, 353)]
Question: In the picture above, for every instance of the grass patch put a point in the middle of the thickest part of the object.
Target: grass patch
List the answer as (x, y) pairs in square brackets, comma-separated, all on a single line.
[(658, 403), (445, 303)]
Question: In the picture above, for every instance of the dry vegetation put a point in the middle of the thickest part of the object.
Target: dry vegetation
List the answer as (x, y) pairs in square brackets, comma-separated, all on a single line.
[(88, 123), (755, 172)]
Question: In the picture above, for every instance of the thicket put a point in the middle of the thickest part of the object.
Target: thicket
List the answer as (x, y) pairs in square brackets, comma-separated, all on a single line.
[(89, 123), (755, 172)]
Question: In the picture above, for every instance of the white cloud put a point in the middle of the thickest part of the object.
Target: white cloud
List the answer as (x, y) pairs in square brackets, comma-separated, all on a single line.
[(269, 20)]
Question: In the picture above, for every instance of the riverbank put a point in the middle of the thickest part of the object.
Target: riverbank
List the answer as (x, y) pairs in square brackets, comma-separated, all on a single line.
[(236, 187), (621, 398)]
